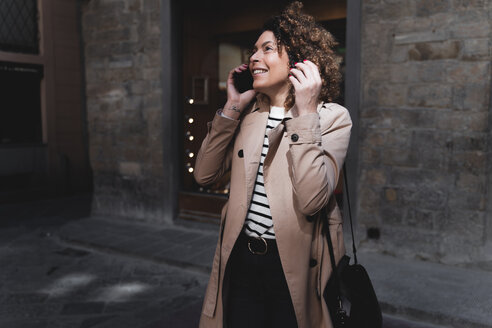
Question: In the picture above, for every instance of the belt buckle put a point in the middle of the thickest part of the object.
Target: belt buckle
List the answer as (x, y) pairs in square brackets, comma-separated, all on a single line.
[(258, 253)]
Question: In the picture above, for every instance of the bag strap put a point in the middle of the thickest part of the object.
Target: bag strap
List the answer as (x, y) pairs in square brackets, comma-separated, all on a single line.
[(345, 188), (330, 243), (327, 230)]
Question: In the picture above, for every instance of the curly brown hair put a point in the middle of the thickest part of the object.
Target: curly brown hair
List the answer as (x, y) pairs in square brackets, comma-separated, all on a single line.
[(302, 38)]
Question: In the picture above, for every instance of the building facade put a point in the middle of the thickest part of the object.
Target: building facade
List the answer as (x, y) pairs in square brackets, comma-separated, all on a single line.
[(128, 86), (425, 129), (417, 86)]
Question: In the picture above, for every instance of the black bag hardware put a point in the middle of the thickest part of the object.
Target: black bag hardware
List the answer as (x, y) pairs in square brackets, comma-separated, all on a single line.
[(349, 294)]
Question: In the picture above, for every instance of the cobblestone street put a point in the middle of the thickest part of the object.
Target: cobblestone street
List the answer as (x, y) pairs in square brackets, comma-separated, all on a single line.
[(48, 283), (62, 268)]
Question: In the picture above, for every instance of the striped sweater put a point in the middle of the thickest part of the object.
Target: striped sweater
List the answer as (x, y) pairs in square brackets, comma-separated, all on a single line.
[(259, 219)]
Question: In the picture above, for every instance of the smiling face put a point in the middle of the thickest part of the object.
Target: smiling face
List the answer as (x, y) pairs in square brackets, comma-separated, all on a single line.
[(270, 69)]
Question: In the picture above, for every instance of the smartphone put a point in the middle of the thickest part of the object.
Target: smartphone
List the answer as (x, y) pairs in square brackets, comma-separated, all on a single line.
[(243, 81)]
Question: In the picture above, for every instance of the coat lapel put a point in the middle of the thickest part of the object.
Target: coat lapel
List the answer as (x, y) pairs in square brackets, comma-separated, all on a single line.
[(253, 131)]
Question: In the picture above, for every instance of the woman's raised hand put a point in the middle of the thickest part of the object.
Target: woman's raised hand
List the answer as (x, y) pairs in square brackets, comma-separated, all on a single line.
[(306, 80), (236, 102)]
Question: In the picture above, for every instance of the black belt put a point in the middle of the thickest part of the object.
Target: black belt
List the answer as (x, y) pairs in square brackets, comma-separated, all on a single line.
[(258, 245)]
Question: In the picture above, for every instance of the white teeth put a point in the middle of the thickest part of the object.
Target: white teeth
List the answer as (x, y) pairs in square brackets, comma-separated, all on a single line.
[(259, 71)]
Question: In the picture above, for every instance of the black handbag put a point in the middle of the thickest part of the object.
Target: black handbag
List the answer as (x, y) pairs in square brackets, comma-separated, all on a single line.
[(349, 294)]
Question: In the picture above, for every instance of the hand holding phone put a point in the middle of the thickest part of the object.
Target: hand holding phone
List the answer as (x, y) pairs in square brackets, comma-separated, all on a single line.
[(243, 81), (239, 91)]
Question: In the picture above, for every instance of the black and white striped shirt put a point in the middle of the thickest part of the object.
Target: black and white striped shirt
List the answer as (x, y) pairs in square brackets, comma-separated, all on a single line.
[(259, 219)]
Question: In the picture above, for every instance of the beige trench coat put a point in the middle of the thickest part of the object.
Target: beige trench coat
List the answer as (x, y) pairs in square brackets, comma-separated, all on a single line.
[(300, 174)]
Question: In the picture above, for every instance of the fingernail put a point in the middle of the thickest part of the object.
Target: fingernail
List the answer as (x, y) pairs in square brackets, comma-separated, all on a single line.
[(295, 63), (304, 60)]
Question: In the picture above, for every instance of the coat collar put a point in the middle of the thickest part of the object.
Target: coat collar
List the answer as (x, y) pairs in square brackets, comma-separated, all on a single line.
[(253, 131)]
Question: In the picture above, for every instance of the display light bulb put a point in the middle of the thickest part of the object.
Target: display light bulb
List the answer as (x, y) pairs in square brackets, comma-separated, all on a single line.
[(190, 170), (191, 101), (191, 120), (191, 138), (191, 155)]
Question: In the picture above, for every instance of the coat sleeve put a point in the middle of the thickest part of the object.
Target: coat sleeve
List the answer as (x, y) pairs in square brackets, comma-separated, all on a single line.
[(215, 155), (317, 150)]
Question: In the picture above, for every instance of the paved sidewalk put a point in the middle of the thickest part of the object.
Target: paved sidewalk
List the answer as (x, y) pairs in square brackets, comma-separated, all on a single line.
[(60, 268), (435, 293)]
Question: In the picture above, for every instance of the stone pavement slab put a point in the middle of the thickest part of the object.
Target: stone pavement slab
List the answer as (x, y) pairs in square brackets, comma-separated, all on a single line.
[(440, 294), (183, 247), (59, 268), (48, 283)]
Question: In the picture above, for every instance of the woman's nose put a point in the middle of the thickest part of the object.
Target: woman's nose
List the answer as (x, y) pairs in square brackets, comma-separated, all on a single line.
[(254, 57)]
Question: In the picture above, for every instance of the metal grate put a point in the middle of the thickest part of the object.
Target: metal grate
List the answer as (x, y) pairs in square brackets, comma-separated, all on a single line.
[(19, 26)]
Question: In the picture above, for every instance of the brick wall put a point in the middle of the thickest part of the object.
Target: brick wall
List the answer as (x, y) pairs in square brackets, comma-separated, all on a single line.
[(124, 106), (425, 128)]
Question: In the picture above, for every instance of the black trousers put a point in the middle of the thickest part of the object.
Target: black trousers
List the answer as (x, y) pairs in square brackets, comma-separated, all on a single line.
[(258, 294)]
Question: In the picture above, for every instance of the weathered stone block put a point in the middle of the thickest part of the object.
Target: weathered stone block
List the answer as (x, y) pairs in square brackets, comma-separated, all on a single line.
[(151, 5), (391, 94), (393, 10), (391, 194), (369, 198), (113, 35), (424, 196), (400, 157), (435, 50), (430, 95), (462, 121), (469, 72), (377, 118), (370, 155), (105, 7), (432, 159), (133, 124), (431, 7), (469, 4), (472, 183), (374, 177), (134, 5), (375, 55), (419, 218), (476, 49), (473, 162), (479, 29), (415, 25), (151, 74), (139, 87), (130, 169), (399, 53), (414, 178), (471, 96), (473, 142), (376, 35), (469, 225), (409, 118), (152, 100), (392, 215), (419, 37), (434, 71)]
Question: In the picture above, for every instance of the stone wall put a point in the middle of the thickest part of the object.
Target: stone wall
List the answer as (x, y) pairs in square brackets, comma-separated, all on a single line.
[(425, 128), (124, 106)]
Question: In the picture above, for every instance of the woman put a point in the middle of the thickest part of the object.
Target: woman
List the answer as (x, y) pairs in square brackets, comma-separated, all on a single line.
[(285, 153)]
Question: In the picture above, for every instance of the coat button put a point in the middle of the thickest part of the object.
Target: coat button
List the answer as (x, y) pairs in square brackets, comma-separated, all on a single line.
[(313, 263), (294, 137), (240, 153)]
